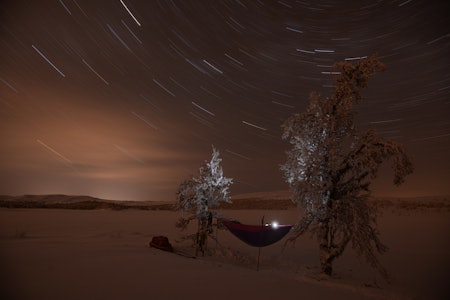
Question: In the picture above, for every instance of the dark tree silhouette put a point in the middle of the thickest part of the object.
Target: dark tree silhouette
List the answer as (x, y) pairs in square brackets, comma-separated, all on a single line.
[(330, 167)]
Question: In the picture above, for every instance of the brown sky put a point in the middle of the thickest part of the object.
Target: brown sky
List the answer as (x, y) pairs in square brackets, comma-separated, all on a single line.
[(94, 103)]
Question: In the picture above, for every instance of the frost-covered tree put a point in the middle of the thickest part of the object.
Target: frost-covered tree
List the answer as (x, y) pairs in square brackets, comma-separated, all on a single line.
[(197, 195), (331, 165)]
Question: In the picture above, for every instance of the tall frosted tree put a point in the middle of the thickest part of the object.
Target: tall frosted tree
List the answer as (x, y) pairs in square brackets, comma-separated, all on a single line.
[(331, 165), (197, 195)]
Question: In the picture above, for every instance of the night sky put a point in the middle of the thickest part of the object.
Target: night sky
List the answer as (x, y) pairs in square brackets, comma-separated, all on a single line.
[(122, 99)]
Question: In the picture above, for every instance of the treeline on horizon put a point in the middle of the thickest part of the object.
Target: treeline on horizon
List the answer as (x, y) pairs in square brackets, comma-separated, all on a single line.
[(90, 203)]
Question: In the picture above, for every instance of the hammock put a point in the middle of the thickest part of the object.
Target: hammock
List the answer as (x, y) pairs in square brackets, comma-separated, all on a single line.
[(257, 235)]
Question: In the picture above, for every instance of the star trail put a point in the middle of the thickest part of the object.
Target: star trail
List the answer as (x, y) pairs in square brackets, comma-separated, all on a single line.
[(123, 99)]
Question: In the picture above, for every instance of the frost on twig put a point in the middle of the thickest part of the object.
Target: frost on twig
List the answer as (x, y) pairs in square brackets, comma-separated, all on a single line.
[(197, 195), (331, 164)]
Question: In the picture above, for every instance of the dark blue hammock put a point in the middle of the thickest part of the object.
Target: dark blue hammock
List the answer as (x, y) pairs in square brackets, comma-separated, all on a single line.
[(257, 235)]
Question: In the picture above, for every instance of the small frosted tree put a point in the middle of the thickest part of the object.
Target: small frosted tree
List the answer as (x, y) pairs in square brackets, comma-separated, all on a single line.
[(330, 167), (197, 195)]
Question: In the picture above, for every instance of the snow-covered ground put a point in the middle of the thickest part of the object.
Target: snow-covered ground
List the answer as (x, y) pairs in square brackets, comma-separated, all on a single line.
[(104, 254)]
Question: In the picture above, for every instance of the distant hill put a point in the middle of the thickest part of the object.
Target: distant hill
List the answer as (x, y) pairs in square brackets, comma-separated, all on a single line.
[(78, 202), (273, 195), (281, 200), (266, 201)]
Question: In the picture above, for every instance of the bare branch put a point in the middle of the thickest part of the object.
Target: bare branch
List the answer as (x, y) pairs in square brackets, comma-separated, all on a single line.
[(331, 165)]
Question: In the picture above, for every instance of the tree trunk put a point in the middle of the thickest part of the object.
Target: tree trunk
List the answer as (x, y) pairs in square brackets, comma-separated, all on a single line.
[(331, 247), (326, 264), (326, 257), (200, 238), (204, 228)]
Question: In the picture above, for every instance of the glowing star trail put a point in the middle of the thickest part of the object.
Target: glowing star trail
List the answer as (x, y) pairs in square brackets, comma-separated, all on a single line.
[(294, 30), (47, 60), (131, 31), (7, 84), (127, 153), (54, 152), (212, 67), (134, 18), (118, 37), (163, 87), (98, 75), (144, 120), (65, 7), (204, 109), (255, 126)]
